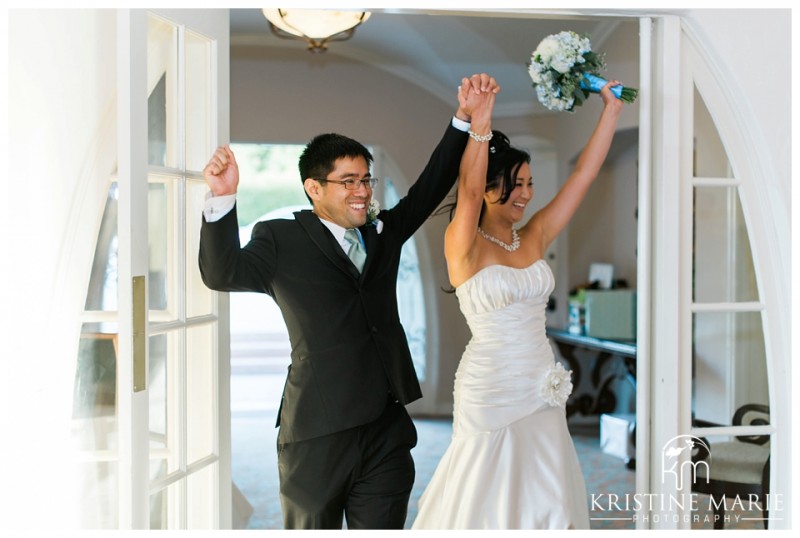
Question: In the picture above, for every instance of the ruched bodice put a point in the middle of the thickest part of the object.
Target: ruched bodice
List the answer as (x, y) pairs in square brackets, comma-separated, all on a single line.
[(509, 355), (511, 463), (499, 286), (507, 305)]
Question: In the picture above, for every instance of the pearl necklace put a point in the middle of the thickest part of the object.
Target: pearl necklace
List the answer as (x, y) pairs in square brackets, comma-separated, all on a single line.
[(514, 240)]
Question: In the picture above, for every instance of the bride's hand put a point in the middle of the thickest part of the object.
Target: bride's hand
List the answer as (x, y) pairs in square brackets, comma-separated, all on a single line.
[(609, 99), (482, 105), (472, 87), (477, 95)]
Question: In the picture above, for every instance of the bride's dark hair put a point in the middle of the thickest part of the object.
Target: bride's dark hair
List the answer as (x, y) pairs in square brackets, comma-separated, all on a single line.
[(504, 163)]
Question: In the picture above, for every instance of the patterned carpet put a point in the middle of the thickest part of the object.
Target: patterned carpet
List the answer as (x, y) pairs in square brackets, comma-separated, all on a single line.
[(255, 468)]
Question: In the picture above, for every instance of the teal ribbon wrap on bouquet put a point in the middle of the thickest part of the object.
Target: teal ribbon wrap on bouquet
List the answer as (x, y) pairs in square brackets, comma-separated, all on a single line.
[(594, 84)]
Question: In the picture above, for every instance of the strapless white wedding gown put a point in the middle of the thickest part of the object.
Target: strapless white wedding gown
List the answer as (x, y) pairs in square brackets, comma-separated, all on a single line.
[(511, 463)]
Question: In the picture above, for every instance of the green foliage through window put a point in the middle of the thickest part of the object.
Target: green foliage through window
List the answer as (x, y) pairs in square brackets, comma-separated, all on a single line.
[(268, 179)]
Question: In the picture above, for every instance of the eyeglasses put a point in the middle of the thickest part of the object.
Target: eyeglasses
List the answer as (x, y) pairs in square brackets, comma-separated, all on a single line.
[(354, 184)]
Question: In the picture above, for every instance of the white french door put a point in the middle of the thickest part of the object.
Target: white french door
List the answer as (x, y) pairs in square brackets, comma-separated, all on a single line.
[(708, 348), (173, 359)]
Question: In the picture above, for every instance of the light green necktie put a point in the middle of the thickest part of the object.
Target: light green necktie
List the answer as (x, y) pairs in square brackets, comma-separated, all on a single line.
[(357, 254)]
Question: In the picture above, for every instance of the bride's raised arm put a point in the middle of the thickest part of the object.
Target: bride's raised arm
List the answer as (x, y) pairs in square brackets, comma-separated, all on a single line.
[(462, 231), (553, 217)]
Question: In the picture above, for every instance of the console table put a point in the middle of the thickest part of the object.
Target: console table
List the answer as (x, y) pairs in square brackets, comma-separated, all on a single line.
[(600, 394)]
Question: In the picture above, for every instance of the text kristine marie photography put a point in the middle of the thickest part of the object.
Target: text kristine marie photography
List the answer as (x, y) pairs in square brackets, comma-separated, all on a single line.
[(680, 471), (688, 508)]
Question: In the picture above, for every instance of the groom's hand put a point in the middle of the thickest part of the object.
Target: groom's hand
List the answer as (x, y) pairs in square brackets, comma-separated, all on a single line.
[(222, 172), (480, 106)]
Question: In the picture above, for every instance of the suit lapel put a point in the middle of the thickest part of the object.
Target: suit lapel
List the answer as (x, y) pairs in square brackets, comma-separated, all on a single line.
[(370, 235), (325, 241)]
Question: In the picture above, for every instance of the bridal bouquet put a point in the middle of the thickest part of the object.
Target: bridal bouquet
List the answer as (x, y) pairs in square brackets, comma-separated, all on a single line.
[(564, 70)]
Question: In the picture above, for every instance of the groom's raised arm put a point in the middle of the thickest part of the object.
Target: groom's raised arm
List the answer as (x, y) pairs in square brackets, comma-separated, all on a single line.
[(224, 265), (441, 171)]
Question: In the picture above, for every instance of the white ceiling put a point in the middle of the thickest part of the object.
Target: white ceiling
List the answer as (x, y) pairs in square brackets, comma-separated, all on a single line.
[(436, 50)]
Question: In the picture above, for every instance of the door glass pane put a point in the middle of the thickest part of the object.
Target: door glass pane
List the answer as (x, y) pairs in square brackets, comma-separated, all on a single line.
[(200, 392), (102, 292), (198, 101), (160, 235), (165, 406), (200, 493), (162, 113), (723, 262), (95, 388), (199, 299), (158, 508), (730, 367), (710, 158), (165, 507)]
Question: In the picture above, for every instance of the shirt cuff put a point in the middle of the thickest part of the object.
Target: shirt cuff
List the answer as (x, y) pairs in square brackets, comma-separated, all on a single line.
[(461, 125), (217, 207)]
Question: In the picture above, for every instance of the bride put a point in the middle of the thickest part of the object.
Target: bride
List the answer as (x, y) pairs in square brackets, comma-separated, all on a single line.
[(511, 463)]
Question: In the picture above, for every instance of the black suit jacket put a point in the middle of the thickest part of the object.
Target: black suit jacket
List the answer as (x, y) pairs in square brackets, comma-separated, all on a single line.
[(349, 350)]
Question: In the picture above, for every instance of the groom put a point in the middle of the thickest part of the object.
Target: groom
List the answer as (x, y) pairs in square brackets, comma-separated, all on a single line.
[(345, 438)]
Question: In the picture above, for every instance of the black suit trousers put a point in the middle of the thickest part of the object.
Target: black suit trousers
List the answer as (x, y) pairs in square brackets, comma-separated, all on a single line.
[(364, 474)]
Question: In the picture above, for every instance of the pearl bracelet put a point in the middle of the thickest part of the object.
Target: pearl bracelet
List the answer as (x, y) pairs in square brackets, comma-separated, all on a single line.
[(480, 138)]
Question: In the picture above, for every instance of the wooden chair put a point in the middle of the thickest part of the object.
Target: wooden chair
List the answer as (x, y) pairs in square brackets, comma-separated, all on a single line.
[(736, 467)]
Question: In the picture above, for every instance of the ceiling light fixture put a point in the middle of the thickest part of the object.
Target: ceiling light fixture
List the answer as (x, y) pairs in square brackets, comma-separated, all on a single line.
[(317, 27)]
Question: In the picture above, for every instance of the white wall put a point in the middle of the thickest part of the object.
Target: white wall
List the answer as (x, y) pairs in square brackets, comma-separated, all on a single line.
[(62, 117), (761, 39)]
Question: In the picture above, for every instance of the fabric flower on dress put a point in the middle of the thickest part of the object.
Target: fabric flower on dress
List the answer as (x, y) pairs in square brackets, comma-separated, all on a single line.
[(557, 385)]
